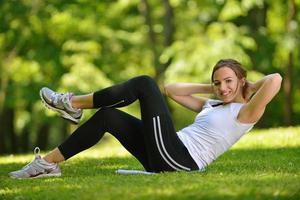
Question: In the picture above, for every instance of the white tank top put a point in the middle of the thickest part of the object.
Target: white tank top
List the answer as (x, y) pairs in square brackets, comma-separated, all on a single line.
[(214, 131)]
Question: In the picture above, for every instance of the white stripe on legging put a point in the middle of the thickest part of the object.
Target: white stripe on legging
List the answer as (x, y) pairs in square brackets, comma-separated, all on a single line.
[(176, 165), (122, 101), (160, 151)]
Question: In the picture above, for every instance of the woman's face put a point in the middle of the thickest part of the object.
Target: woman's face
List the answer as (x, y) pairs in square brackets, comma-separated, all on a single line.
[(226, 84)]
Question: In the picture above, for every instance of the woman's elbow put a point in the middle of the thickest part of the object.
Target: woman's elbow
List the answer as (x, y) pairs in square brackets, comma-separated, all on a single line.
[(277, 80), (278, 77)]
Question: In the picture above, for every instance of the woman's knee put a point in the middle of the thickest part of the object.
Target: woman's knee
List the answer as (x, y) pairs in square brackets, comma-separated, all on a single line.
[(102, 114), (144, 81)]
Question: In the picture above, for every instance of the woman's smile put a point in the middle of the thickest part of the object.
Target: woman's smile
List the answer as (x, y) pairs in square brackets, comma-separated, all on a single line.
[(225, 84)]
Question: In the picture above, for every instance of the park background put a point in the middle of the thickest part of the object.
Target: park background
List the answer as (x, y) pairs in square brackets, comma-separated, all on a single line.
[(85, 45), (82, 46)]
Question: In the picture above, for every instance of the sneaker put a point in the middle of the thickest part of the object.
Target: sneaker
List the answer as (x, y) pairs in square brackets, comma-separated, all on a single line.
[(60, 103), (37, 168)]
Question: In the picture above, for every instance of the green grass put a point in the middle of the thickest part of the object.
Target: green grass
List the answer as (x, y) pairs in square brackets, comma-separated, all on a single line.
[(264, 164)]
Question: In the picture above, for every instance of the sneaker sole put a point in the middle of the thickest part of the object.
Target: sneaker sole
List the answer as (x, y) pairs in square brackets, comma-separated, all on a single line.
[(47, 175), (63, 113), (39, 176)]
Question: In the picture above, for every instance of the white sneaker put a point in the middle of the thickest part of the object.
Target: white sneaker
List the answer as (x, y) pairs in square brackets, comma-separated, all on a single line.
[(37, 168), (60, 103)]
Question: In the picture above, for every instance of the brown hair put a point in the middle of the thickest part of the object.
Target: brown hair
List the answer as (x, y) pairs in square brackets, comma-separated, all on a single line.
[(232, 64)]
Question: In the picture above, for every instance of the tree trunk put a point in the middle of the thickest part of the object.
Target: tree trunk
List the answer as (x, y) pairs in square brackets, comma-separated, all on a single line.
[(168, 34), (8, 136), (24, 139), (42, 136), (287, 86), (288, 79), (3, 143), (146, 11), (8, 139), (169, 30)]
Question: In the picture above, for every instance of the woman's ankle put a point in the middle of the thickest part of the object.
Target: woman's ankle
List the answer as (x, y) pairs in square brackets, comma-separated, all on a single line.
[(82, 101), (54, 156)]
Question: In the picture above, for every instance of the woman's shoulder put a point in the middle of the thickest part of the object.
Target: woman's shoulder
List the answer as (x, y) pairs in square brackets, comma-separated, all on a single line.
[(235, 109), (212, 103)]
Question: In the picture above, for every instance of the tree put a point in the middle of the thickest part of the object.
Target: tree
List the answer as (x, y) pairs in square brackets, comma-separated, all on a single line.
[(288, 79)]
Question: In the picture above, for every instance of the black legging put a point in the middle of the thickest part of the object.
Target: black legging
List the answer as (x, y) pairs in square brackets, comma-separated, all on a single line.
[(152, 140)]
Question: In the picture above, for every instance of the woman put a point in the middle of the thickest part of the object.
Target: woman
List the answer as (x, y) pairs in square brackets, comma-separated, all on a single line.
[(153, 139)]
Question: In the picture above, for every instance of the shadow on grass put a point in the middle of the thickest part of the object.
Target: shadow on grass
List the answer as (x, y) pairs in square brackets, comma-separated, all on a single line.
[(238, 174)]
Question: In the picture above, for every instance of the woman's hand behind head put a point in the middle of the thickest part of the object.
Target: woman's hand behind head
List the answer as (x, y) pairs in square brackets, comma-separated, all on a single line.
[(248, 90)]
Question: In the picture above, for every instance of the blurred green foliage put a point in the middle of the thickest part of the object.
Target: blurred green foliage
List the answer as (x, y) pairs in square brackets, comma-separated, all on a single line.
[(82, 46)]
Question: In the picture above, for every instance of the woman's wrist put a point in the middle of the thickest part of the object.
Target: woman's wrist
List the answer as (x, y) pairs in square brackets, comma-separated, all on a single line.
[(206, 89)]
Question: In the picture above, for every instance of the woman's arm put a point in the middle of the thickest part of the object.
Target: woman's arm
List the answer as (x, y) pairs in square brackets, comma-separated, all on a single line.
[(182, 93), (264, 91)]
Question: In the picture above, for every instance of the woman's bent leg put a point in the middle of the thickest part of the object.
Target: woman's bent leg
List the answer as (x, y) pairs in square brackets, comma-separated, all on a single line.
[(164, 149), (161, 148), (124, 127)]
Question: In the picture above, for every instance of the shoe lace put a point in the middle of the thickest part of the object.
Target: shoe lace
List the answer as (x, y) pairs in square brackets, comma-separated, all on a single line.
[(56, 97), (65, 98), (36, 152)]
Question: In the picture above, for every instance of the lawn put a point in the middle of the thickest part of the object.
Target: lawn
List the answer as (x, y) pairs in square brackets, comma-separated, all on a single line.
[(265, 164)]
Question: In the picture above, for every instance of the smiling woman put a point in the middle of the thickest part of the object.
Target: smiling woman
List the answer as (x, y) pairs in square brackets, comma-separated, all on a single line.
[(230, 85), (153, 140), (229, 78)]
